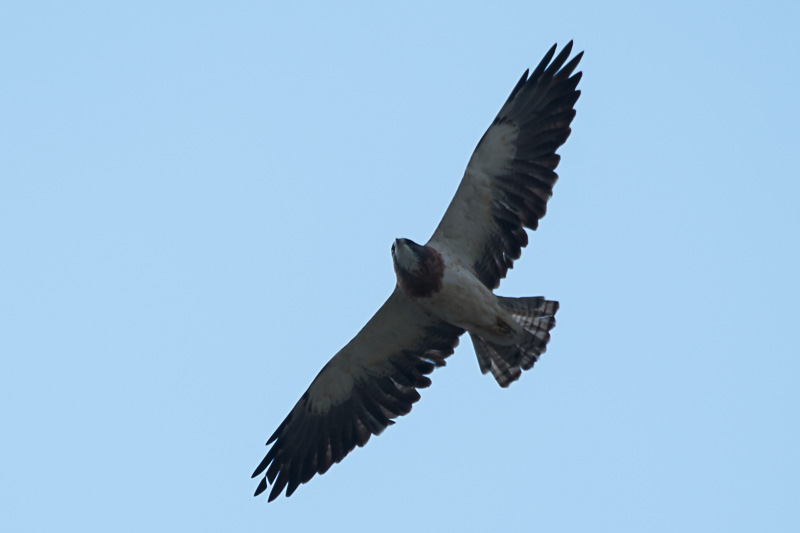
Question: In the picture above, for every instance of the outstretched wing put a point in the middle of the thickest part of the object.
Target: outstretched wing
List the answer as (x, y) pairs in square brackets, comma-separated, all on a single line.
[(368, 383), (511, 174)]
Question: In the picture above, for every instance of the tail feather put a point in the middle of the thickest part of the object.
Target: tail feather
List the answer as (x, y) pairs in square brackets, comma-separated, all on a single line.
[(525, 310), (506, 363), (490, 360)]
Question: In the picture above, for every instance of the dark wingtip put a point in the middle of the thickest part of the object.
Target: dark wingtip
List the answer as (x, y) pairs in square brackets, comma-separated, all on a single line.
[(544, 62), (569, 67), (262, 465), (261, 487), (558, 62), (278, 486), (519, 85)]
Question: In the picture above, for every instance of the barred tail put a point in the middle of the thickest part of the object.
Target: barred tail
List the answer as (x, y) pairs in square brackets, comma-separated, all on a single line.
[(537, 317)]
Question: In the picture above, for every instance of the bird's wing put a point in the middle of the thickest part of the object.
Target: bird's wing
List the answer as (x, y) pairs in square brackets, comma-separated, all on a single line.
[(511, 174), (368, 383)]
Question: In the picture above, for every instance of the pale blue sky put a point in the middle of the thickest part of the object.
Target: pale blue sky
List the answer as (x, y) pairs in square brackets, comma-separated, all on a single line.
[(197, 202)]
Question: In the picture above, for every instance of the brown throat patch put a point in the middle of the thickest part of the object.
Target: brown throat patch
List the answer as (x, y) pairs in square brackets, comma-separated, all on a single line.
[(425, 281)]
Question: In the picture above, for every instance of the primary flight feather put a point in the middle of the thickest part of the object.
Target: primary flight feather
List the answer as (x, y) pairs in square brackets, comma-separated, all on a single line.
[(444, 288)]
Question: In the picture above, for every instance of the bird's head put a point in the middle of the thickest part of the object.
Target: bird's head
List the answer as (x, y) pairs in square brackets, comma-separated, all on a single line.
[(407, 255)]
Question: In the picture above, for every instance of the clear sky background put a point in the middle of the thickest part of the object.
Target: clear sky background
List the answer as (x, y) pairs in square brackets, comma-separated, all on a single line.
[(197, 202)]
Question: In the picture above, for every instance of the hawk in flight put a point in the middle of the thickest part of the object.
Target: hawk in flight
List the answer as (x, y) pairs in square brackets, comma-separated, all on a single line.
[(444, 288)]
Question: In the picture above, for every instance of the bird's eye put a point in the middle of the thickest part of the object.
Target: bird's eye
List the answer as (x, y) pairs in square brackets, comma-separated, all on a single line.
[(392, 247)]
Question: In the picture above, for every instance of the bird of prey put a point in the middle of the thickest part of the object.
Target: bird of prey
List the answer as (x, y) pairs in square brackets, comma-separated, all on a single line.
[(444, 288)]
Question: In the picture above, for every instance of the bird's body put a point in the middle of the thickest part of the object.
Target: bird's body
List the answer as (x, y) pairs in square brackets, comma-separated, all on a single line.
[(463, 301), (459, 299), (443, 289)]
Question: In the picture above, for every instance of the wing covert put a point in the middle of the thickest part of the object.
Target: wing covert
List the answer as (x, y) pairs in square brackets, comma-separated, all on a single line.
[(511, 174), (358, 393)]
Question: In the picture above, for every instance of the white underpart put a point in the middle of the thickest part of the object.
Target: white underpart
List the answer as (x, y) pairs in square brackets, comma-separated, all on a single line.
[(405, 257), (466, 302)]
